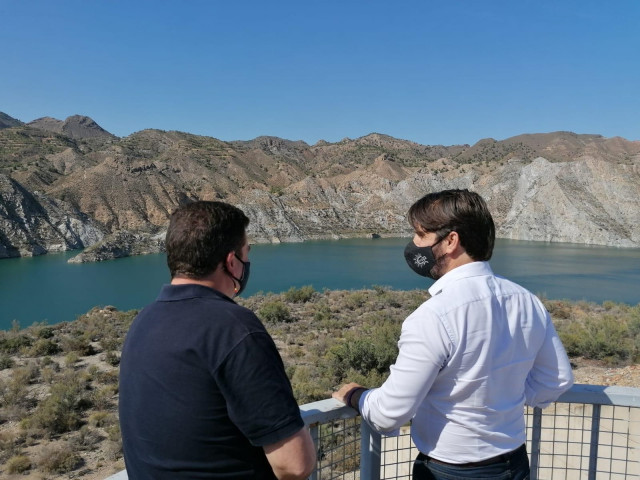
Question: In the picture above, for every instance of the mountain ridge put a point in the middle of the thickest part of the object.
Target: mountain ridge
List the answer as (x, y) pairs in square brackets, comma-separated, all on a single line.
[(557, 186)]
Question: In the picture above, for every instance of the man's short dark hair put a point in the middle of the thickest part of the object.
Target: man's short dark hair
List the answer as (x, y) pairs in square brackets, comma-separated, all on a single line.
[(459, 211), (201, 234)]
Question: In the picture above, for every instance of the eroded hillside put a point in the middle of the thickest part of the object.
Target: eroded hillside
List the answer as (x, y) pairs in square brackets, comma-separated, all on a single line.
[(554, 187)]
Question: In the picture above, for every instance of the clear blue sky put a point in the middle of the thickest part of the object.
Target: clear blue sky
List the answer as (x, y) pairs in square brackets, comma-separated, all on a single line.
[(435, 72)]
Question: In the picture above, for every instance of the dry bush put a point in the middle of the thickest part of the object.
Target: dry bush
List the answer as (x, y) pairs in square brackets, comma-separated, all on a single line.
[(10, 445), (102, 419), (18, 464), (86, 439), (58, 459), (103, 398)]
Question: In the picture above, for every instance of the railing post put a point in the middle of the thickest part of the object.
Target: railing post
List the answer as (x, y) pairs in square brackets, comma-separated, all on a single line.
[(370, 445), (536, 434), (595, 437), (313, 430)]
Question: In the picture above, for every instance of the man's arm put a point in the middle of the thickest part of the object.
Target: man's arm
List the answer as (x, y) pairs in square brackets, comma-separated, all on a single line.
[(293, 458), (422, 352), (551, 373)]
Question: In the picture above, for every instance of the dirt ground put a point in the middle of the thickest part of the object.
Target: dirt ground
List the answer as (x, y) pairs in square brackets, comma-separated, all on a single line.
[(590, 372)]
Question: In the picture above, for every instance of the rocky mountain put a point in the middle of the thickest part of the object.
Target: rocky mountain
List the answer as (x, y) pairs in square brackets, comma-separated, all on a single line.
[(121, 244), (75, 126), (557, 186), (7, 122), (32, 223)]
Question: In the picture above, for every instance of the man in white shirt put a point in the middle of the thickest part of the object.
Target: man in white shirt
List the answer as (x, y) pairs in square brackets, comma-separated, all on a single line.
[(471, 357)]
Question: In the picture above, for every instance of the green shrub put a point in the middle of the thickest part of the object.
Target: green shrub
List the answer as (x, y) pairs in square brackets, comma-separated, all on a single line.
[(18, 464), (308, 385), (299, 295), (558, 309), (45, 332), (275, 312), (44, 347), (374, 351), (14, 394), (78, 345), (322, 313), (6, 361), (60, 411), (11, 343), (355, 300), (600, 338), (112, 358), (389, 300)]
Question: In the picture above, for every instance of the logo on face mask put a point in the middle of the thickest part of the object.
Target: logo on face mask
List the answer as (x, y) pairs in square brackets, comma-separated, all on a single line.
[(420, 260)]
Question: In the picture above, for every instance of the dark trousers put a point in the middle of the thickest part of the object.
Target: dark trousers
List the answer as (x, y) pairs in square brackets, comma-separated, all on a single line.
[(510, 466)]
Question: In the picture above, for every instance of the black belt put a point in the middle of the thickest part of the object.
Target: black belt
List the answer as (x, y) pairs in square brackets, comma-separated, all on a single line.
[(505, 457)]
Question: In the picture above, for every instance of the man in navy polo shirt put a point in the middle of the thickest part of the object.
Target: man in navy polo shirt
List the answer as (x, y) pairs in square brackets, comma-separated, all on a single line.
[(203, 391)]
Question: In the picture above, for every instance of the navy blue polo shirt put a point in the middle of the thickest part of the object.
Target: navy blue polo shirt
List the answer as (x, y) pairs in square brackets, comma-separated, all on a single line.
[(202, 389)]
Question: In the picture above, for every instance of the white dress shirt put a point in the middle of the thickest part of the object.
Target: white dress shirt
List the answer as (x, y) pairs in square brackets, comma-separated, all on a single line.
[(471, 357)]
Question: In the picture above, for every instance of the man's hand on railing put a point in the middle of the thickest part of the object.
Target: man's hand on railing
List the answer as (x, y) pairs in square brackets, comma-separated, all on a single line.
[(350, 394)]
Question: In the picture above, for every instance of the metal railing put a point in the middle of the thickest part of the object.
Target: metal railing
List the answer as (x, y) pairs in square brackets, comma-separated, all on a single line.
[(591, 432)]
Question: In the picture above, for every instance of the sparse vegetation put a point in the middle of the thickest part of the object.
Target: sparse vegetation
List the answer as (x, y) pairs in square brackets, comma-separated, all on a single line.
[(58, 408), (59, 459), (275, 312), (299, 295), (18, 464)]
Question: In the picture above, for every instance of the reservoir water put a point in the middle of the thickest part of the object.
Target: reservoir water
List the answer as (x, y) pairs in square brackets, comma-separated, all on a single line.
[(47, 288)]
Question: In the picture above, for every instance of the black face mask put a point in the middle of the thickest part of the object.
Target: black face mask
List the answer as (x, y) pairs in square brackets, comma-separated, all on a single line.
[(421, 259), (244, 278)]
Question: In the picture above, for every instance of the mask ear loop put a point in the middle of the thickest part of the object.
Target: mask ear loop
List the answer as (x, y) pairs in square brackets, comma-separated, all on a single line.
[(236, 281)]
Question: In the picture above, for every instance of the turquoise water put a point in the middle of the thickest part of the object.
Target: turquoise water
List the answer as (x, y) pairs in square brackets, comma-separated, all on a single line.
[(49, 289)]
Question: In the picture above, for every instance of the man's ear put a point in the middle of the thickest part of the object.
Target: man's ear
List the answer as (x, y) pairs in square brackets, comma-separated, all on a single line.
[(452, 241), (229, 260)]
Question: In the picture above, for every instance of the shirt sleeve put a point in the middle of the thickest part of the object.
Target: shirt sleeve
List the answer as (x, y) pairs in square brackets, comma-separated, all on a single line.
[(259, 397), (551, 373), (420, 358)]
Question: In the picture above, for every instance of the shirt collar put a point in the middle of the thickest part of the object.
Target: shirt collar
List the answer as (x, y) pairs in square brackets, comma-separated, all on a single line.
[(473, 269), (172, 293)]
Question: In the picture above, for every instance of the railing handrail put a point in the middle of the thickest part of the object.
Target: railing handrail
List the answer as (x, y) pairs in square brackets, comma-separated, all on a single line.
[(331, 409), (325, 411), (601, 395)]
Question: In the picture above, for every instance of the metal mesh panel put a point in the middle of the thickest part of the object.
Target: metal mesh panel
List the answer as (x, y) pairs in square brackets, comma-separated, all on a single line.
[(339, 450), (398, 454), (576, 442), (591, 433), (580, 441)]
